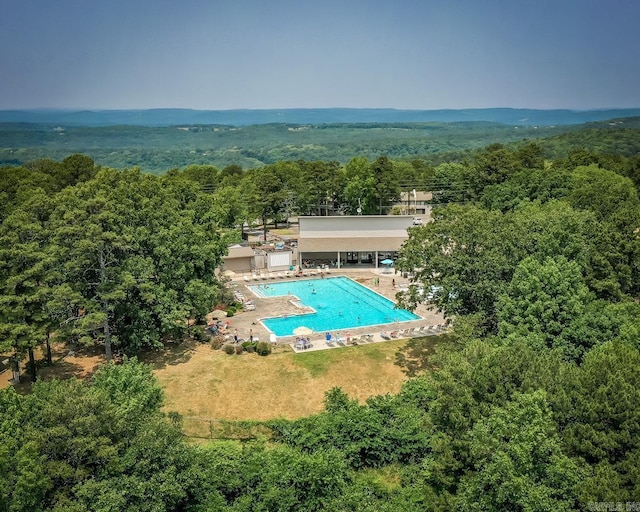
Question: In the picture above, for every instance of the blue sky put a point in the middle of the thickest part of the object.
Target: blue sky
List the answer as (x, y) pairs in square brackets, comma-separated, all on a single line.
[(405, 54)]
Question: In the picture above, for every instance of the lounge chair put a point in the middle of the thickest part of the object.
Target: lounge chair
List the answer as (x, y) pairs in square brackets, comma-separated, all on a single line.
[(246, 279), (385, 336)]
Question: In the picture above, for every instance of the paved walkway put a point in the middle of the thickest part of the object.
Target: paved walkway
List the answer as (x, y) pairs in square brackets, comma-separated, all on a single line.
[(248, 322)]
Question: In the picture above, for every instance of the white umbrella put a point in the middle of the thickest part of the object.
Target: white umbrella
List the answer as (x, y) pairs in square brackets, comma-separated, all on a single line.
[(218, 314), (302, 331), (229, 273)]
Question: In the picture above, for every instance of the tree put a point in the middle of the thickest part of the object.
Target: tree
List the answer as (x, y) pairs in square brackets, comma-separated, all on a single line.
[(135, 249), (383, 431), (75, 169), (517, 461), (465, 253), (359, 191), (132, 388), (387, 189), (318, 187), (528, 185), (604, 421), (492, 166), (230, 206), (610, 196), (266, 194), (26, 278), (541, 303), (468, 254), (451, 183), (530, 156), (207, 176), (101, 445)]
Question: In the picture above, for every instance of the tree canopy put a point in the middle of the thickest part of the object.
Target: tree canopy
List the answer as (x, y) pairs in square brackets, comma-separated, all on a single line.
[(530, 402)]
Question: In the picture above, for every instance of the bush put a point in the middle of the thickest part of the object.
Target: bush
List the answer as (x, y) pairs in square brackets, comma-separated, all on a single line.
[(217, 342), (263, 348), (198, 334), (229, 349), (239, 349), (249, 346), (231, 311)]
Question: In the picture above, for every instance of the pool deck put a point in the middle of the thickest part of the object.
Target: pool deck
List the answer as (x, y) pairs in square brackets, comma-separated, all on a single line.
[(267, 307)]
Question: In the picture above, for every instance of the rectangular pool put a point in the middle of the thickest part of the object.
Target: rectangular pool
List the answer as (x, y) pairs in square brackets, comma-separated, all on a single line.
[(340, 303)]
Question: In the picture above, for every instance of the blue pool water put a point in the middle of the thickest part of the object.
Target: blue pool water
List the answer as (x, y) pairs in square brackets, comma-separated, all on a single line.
[(340, 303)]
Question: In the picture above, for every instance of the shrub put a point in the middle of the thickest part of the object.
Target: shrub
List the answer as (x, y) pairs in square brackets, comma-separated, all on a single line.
[(198, 334), (249, 346), (231, 311), (263, 348), (229, 349), (217, 342), (239, 349)]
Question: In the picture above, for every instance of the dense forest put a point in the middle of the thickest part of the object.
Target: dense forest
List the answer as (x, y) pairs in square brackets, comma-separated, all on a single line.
[(158, 149), (531, 403)]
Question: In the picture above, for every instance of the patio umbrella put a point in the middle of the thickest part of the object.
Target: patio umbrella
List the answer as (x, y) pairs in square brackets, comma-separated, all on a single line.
[(229, 273), (388, 264), (218, 314), (302, 331)]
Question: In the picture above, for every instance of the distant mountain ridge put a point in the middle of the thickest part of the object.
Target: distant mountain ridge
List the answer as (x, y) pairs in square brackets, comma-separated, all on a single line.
[(178, 117)]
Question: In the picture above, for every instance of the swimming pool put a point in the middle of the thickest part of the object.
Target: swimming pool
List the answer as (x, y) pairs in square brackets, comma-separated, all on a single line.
[(340, 303)]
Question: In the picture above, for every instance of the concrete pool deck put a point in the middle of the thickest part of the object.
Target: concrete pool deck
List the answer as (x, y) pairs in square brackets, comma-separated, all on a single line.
[(247, 322)]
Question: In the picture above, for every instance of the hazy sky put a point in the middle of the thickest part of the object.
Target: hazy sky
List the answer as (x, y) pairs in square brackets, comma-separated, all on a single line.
[(406, 54)]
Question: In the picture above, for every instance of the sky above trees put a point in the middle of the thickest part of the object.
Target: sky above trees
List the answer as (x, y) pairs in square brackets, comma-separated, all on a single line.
[(406, 54)]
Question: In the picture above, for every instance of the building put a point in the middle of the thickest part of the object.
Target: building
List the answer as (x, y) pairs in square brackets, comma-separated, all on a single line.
[(360, 240), (416, 203), (267, 258)]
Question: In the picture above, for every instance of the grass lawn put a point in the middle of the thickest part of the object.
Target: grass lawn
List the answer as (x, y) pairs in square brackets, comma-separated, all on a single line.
[(205, 383), (200, 382)]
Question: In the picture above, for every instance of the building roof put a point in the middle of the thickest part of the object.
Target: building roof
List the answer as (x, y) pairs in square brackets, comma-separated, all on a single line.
[(353, 233), (239, 251)]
